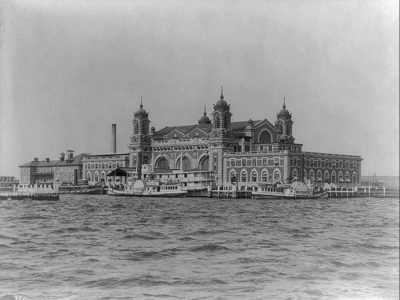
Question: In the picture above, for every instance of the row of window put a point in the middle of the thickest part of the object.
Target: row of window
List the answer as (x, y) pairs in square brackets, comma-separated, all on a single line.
[(253, 176), (109, 165), (255, 162), (332, 177), (331, 164)]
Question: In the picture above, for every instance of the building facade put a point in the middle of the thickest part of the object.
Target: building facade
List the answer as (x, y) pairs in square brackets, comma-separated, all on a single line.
[(245, 153), (96, 167), (66, 170)]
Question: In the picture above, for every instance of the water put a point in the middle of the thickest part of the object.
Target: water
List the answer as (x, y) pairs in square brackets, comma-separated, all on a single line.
[(103, 247)]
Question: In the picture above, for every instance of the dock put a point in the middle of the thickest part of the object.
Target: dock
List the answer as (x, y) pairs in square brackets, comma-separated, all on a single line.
[(28, 192)]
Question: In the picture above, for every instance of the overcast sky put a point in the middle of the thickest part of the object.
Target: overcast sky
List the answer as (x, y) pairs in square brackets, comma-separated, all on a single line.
[(69, 69)]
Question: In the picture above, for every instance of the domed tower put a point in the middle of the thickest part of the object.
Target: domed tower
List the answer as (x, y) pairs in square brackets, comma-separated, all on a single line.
[(284, 125), (221, 117), (220, 137), (204, 119), (140, 145)]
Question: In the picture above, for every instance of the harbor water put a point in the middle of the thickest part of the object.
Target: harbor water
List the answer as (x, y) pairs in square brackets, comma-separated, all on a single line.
[(103, 247)]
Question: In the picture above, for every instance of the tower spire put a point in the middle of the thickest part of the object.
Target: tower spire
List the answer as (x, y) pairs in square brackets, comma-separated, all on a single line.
[(222, 93), (141, 102), (205, 113), (284, 102)]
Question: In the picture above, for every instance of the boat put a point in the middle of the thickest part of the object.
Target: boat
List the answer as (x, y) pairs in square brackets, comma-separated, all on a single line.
[(148, 189), (80, 189), (296, 190)]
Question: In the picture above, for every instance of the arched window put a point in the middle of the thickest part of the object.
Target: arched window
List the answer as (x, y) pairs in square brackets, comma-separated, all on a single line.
[(109, 165), (347, 177), (277, 175), (232, 176), (295, 175), (340, 176), (102, 165), (355, 177), (264, 176), (319, 176), (103, 176), (162, 163), (254, 176), (312, 177), (89, 176), (135, 126), (333, 177), (96, 177), (243, 176), (265, 138), (204, 163), (305, 173), (326, 176)]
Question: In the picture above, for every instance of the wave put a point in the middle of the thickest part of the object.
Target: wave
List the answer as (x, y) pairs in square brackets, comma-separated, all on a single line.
[(209, 248)]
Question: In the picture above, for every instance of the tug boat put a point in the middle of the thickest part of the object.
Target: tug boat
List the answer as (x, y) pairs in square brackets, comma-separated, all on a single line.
[(296, 190), (149, 189)]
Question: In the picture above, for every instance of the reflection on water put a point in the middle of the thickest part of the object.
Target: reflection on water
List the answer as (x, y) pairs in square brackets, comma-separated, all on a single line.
[(102, 247)]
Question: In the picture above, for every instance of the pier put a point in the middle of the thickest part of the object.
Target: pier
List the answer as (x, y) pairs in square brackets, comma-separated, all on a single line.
[(31, 192)]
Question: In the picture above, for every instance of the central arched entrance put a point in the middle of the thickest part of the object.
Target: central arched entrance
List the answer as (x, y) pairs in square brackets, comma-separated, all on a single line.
[(186, 165)]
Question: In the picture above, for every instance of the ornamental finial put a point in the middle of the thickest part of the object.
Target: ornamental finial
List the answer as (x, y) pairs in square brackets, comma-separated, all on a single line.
[(205, 113), (141, 102), (222, 93), (284, 102)]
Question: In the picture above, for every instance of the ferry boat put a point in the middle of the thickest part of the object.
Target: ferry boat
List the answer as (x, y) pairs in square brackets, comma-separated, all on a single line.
[(149, 189), (296, 190)]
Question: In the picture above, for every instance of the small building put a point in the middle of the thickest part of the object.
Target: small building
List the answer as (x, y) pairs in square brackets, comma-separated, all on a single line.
[(53, 172)]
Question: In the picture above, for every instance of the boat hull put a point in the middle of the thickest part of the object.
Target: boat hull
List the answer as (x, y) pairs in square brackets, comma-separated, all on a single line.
[(172, 194), (272, 195)]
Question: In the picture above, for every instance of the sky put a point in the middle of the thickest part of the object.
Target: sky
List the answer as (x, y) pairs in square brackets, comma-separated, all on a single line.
[(69, 69)]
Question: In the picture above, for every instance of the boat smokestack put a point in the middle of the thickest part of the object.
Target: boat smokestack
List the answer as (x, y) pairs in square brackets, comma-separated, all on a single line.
[(113, 138)]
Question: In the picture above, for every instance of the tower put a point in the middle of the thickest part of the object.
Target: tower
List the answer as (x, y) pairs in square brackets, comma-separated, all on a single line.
[(221, 118), (204, 119), (221, 136), (140, 144), (284, 125)]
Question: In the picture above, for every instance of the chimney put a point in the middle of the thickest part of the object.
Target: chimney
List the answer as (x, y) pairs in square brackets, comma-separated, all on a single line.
[(47, 159), (62, 156), (35, 159), (113, 138)]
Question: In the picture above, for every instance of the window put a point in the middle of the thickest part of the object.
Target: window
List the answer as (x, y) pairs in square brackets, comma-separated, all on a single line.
[(254, 176), (276, 161), (243, 176), (232, 176), (232, 162), (277, 175), (243, 162), (254, 162), (264, 176)]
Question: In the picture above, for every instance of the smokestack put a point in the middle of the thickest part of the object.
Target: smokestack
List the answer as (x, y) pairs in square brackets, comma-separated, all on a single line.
[(113, 138)]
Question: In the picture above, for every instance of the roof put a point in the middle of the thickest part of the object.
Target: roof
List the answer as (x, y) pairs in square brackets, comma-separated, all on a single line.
[(236, 126), (76, 160), (121, 171)]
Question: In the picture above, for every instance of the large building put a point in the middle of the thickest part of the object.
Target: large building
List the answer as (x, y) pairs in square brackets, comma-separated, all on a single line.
[(53, 172), (244, 153)]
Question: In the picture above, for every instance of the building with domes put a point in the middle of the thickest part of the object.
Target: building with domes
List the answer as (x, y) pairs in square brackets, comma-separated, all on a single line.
[(243, 153)]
